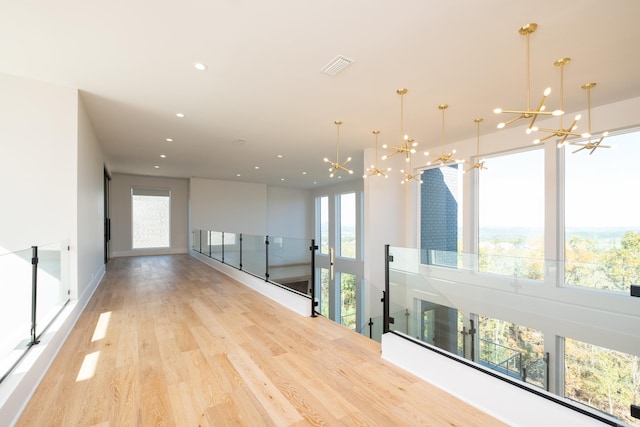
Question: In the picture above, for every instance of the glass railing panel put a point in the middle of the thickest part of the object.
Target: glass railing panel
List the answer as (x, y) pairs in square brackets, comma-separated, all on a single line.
[(53, 284), (418, 305), (372, 325), (516, 301), (290, 263), (15, 306), (606, 276), (232, 249), (215, 244), (254, 256), (527, 268), (196, 240)]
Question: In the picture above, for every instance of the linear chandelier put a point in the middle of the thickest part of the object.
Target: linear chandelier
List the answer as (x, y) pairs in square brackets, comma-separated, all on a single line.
[(526, 31), (443, 158), (337, 166), (590, 145), (478, 164), (373, 169), (561, 132), (406, 147)]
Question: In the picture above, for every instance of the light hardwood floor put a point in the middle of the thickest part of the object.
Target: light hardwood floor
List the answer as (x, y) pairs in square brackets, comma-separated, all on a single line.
[(185, 345)]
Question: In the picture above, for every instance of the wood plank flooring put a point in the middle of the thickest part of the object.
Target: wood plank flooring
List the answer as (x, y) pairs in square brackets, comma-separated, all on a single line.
[(168, 341)]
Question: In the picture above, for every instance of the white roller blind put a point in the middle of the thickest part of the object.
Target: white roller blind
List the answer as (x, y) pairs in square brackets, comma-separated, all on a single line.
[(143, 191)]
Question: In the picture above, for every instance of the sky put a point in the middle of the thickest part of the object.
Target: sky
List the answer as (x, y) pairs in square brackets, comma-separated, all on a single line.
[(601, 190)]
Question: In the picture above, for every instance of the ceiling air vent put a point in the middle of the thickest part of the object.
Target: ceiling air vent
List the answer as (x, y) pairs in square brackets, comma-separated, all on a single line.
[(336, 65)]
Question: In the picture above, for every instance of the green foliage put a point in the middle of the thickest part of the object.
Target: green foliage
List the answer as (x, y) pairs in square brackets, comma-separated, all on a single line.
[(348, 300), (602, 378), (622, 264)]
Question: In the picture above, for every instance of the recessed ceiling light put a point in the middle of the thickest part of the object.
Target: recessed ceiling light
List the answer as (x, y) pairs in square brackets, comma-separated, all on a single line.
[(304, 173), (179, 115), (237, 174), (281, 179), (157, 167), (169, 140), (163, 156), (256, 167), (315, 182), (280, 156), (199, 66)]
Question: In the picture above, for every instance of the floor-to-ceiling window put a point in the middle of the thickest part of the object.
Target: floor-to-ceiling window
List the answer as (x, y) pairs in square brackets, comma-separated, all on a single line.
[(339, 260), (511, 215), (601, 221)]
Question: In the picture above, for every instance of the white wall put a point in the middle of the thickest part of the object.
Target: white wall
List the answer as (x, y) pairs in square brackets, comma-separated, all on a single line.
[(51, 185), (234, 207), (120, 210), (89, 232), (38, 131), (289, 213)]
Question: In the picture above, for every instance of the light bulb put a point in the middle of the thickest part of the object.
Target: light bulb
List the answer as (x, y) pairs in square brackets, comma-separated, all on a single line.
[(384, 146), (557, 113), (585, 135), (500, 125), (547, 91), (578, 117), (384, 157), (426, 153), (326, 160), (536, 141), (497, 110)]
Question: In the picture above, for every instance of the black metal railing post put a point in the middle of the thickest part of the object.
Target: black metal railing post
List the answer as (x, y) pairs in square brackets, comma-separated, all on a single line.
[(266, 257), (370, 328), (472, 336), (387, 319), (546, 371), (240, 251), (34, 293), (200, 243), (223, 247), (313, 248), (209, 241)]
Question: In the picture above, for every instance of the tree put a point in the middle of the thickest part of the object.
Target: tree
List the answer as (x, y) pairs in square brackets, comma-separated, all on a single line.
[(622, 264)]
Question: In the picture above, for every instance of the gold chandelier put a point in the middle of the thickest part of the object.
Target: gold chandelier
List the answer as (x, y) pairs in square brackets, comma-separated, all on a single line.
[(406, 146), (526, 31), (561, 132), (336, 166), (373, 169), (443, 158), (478, 164), (590, 145), (408, 176)]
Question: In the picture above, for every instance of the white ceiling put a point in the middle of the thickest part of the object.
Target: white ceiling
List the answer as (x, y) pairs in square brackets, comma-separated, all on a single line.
[(133, 63)]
